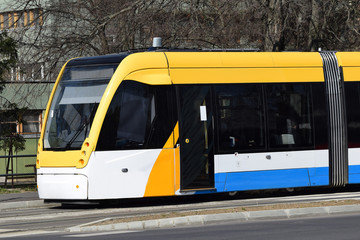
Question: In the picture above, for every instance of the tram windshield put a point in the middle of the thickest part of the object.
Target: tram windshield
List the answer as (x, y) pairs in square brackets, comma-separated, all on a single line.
[(74, 105)]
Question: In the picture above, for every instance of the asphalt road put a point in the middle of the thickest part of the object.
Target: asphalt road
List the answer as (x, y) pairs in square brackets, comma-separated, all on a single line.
[(328, 228), (59, 218), (29, 221)]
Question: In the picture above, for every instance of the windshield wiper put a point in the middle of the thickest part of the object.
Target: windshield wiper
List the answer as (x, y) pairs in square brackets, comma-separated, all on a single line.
[(81, 128)]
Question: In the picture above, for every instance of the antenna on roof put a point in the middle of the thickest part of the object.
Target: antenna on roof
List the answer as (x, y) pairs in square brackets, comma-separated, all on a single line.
[(157, 42)]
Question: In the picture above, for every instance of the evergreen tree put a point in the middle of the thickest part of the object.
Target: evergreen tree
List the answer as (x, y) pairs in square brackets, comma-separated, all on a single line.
[(10, 141), (8, 56)]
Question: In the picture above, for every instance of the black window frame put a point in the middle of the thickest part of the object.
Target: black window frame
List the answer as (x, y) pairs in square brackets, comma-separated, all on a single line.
[(289, 147), (267, 147), (218, 148)]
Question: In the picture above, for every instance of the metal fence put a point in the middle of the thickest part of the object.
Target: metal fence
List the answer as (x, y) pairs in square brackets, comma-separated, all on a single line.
[(10, 174)]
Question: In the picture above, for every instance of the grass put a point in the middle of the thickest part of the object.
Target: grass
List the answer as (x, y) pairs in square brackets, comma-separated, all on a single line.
[(18, 188)]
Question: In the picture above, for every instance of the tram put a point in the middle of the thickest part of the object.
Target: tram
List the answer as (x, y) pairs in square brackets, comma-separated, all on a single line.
[(165, 123)]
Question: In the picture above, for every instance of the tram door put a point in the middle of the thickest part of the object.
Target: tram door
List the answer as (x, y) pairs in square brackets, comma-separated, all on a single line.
[(196, 137)]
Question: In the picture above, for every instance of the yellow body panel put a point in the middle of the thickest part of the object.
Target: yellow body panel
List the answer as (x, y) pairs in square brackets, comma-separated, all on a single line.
[(59, 158), (151, 76), (243, 59), (161, 179), (235, 67), (245, 75), (177, 168), (349, 61), (351, 74), (296, 59)]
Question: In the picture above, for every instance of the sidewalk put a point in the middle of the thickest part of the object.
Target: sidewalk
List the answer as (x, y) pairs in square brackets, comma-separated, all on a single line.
[(20, 200), (207, 219), (17, 197)]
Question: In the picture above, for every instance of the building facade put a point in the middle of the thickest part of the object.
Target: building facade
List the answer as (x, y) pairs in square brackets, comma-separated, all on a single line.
[(27, 86)]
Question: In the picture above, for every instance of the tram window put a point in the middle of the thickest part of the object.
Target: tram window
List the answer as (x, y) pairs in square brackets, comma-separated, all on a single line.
[(137, 118), (163, 119), (240, 117), (352, 92), (133, 115), (289, 115), (320, 115)]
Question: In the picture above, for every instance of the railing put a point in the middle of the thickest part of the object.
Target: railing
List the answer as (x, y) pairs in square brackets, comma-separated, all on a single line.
[(12, 175)]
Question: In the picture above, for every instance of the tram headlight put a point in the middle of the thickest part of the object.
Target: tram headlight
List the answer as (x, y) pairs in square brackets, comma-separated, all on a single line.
[(85, 153)]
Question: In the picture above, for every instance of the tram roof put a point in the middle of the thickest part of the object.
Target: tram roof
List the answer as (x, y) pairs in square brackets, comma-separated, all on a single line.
[(226, 58), (169, 65)]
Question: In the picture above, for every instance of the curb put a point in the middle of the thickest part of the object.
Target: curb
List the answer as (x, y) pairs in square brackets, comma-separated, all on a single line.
[(23, 204), (199, 220)]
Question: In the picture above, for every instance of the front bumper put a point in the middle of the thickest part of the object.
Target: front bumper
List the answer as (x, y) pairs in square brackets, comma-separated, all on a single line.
[(62, 186)]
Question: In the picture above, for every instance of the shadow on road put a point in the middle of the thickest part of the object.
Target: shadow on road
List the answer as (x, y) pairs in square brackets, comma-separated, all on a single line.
[(193, 199)]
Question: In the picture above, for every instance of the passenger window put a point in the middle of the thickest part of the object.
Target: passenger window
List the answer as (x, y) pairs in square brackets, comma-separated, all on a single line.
[(320, 124), (289, 115), (352, 92), (138, 117), (240, 117)]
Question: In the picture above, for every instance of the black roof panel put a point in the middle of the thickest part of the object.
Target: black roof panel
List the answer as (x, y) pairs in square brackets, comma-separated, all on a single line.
[(104, 59)]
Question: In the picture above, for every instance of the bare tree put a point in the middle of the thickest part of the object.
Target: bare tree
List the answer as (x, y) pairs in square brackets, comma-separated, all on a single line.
[(80, 28)]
